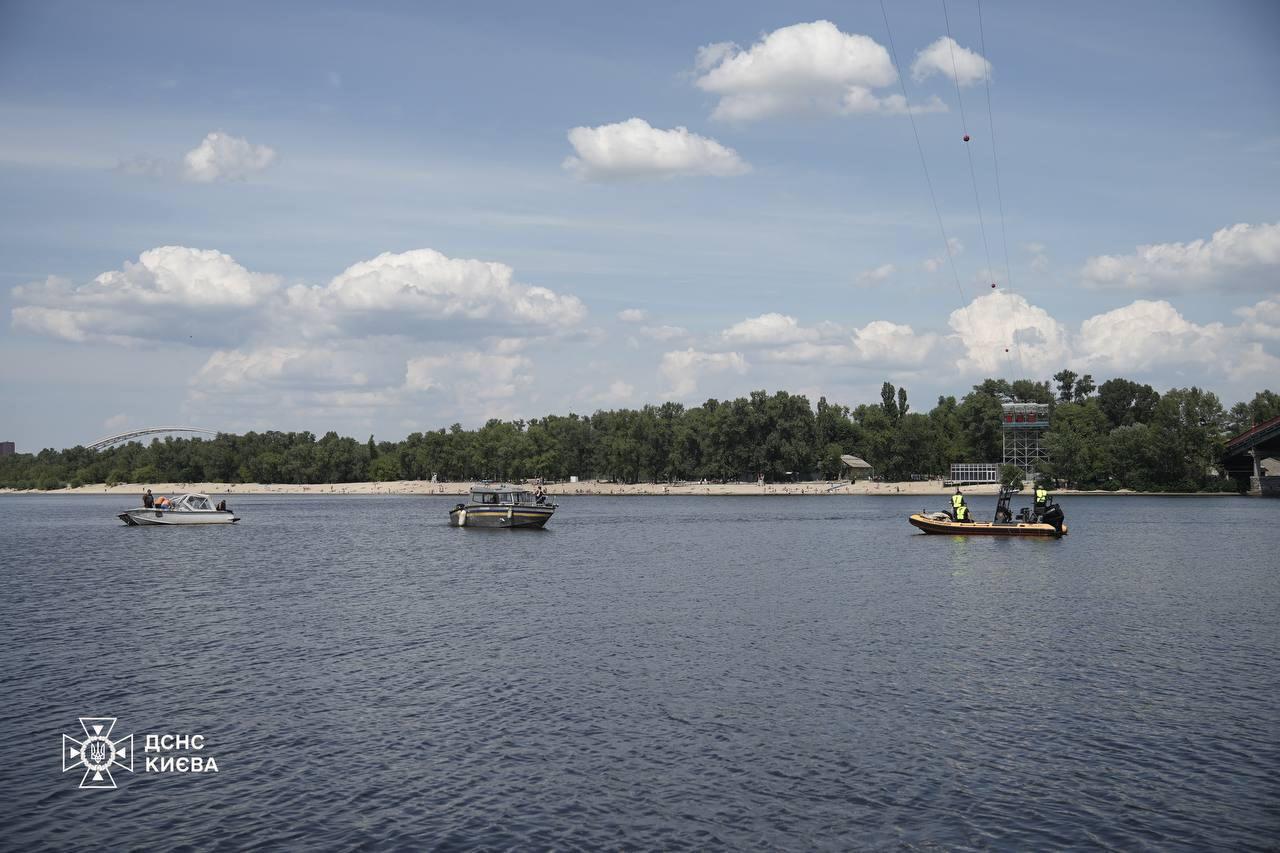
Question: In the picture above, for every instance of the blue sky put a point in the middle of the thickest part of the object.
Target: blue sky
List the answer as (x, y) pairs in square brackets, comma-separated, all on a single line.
[(300, 216)]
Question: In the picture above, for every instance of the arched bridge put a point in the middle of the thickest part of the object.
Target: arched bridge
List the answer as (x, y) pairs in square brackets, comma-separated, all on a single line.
[(139, 433)]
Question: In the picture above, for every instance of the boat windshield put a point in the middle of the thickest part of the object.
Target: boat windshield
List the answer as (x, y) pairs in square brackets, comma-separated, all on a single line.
[(502, 497), (198, 502)]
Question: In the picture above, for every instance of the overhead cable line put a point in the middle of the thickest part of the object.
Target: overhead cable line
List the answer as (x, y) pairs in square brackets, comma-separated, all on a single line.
[(973, 173), (946, 243), (964, 127), (995, 165)]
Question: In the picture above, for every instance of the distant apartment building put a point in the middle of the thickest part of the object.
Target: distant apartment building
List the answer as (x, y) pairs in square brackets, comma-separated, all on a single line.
[(6, 448)]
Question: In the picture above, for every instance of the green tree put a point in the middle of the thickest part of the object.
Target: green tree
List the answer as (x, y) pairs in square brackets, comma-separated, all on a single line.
[(888, 401), (979, 416), (1189, 426), (1125, 403), (384, 468), (1011, 476), (1244, 416), (1077, 445), (1066, 380), (1084, 387)]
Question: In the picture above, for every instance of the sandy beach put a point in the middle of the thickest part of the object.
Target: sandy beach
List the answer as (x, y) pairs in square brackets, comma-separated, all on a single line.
[(588, 487)]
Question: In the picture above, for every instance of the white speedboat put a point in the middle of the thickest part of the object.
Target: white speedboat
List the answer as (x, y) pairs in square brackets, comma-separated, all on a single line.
[(184, 509), (502, 506)]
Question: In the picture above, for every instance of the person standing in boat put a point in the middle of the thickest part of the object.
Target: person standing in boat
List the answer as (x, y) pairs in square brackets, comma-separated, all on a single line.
[(147, 500), (958, 508)]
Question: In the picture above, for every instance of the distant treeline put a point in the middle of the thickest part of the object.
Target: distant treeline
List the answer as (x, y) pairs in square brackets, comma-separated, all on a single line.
[(1120, 434)]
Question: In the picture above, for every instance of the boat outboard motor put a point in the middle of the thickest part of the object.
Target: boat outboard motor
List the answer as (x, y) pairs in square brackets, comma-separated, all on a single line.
[(1053, 515)]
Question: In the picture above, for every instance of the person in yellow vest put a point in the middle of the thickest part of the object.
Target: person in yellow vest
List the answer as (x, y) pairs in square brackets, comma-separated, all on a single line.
[(959, 510), (1042, 498)]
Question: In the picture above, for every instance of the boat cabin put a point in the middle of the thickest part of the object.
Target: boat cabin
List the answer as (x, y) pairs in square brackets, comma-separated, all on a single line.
[(501, 495), (185, 503)]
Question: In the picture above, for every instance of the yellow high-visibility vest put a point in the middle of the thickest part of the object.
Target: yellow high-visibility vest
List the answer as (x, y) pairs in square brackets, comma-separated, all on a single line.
[(1042, 495), (957, 501)]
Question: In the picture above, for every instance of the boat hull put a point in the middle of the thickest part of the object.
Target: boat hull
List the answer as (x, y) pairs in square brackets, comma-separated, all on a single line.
[(162, 518), (479, 515), (984, 528)]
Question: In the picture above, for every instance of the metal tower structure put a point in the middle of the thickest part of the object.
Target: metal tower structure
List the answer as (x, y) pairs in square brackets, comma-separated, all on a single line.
[(1023, 426)]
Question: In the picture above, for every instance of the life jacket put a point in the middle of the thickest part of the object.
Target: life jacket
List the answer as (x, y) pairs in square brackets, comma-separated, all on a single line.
[(957, 501), (962, 512), (1042, 495)]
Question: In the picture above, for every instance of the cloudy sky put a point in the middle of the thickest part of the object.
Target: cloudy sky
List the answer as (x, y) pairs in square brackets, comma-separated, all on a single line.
[(391, 217)]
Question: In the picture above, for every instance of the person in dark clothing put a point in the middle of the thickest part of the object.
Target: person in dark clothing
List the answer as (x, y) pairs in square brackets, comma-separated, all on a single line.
[(222, 505), (147, 500)]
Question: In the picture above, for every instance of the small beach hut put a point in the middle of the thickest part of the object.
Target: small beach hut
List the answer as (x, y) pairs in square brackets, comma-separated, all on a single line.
[(855, 468)]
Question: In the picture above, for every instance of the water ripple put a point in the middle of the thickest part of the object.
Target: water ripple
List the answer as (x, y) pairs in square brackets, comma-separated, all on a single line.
[(649, 673)]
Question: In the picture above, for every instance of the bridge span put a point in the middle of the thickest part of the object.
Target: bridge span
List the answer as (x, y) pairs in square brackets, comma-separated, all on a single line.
[(139, 433), (1248, 449)]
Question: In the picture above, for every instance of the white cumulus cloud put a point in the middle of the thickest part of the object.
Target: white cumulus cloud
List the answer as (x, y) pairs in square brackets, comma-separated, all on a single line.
[(633, 315), (223, 157), (946, 57), (880, 343), (423, 293), (1241, 256), (892, 344), (877, 274), (619, 393), (1261, 320), (954, 248), (664, 333), (634, 149), (172, 293), (994, 327), (767, 330), (485, 376), (1153, 334), (295, 367), (684, 368), (803, 68), (1144, 334)]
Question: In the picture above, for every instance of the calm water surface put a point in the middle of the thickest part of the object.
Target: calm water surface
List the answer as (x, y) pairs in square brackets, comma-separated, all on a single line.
[(675, 673)]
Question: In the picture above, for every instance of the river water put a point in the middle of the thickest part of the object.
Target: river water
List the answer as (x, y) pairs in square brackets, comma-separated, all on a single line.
[(647, 673)]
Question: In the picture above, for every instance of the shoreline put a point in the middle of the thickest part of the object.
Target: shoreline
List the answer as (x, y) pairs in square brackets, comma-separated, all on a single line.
[(929, 488)]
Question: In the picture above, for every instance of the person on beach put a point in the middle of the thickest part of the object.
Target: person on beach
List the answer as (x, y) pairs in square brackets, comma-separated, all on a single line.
[(147, 500)]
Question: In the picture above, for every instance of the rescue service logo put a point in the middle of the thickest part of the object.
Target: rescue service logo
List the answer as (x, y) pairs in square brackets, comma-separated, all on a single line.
[(165, 754), (97, 753)]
